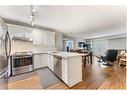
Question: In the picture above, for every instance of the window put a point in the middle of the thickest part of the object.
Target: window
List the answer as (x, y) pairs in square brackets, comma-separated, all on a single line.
[(69, 44)]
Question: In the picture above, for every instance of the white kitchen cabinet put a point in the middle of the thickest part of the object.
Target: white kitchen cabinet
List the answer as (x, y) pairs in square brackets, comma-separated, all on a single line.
[(20, 31), (59, 41), (48, 38), (43, 37), (44, 60), (66, 66), (51, 38), (71, 71), (51, 62), (37, 61), (40, 60), (37, 37), (65, 70), (15, 31)]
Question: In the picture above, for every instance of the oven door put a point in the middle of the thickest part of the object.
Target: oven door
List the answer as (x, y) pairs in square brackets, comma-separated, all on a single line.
[(22, 65)]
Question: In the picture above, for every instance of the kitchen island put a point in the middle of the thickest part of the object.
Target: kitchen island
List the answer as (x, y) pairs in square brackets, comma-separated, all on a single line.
[(67, 66)]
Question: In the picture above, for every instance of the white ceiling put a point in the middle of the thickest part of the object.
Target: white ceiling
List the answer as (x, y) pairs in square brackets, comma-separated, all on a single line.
[(69, 19)]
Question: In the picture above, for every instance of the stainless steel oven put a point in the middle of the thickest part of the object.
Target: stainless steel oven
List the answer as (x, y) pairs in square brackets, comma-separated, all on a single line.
[(22, 63)]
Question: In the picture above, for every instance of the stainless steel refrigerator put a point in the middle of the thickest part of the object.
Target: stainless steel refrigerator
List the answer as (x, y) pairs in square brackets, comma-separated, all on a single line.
[(5, 49)]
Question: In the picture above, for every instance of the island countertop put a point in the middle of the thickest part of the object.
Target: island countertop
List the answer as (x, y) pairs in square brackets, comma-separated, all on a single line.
[(61, 54)]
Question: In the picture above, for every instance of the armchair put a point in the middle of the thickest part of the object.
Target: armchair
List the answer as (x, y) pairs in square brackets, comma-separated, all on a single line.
[(110, 57)]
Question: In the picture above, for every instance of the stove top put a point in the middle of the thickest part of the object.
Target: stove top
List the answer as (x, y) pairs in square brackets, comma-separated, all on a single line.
[(22, 54)]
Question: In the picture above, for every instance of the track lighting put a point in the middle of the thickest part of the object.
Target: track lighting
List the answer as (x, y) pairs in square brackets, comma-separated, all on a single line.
[(32, 16)]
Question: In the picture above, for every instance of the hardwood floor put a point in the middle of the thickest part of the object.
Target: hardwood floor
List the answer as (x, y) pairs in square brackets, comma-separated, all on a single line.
[(32, 82), (96, 76), (99, 77)]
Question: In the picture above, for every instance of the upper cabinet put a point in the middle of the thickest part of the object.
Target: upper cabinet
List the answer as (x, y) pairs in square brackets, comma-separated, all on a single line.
[(20, 32), (38, 37), (43, 37), (51, 38)]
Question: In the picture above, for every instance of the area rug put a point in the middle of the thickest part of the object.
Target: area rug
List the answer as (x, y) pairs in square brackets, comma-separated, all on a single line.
[(47, 77)]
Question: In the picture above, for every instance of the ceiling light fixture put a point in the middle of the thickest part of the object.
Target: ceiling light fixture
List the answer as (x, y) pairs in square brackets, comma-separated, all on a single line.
[(32, 16)]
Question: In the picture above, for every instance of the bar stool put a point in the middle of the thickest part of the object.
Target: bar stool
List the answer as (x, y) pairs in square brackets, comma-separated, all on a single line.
[(88, 58)]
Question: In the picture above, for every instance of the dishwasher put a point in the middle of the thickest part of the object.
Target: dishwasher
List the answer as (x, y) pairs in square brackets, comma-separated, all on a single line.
[(58, 66)]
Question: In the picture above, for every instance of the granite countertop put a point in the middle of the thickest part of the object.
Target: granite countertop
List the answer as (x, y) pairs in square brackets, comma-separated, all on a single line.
[(61, 54)]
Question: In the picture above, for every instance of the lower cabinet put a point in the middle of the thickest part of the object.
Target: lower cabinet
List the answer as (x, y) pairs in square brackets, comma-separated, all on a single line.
[(36, 61), (66, 69), (40, 60), (71, 71), (51, 62)]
